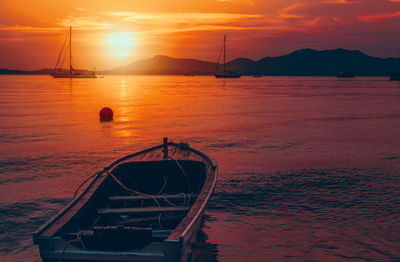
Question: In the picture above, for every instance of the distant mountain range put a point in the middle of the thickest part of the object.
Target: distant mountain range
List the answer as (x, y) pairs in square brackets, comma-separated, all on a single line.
[(44, 71), (304, 62)]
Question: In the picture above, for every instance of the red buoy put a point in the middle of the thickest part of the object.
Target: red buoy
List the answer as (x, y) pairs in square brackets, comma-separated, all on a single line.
[(106, 114)]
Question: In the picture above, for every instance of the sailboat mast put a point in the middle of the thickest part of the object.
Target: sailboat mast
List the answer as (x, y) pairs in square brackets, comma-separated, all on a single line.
[(70, 49), (224, 51)]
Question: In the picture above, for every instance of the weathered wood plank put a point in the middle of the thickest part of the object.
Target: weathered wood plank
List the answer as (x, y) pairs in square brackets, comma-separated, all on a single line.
[(141, 210), (158, 197), (151, 219), (155, 233)]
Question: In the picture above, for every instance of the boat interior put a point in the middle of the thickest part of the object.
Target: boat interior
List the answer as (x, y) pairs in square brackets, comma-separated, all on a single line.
[(139, 201)]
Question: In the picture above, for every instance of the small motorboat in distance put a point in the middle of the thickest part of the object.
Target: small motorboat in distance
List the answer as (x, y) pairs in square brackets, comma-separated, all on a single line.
[(394, 76), (147, 206)]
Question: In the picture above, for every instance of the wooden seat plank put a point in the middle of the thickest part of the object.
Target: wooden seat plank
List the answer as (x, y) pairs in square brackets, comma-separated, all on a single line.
[(155, 233), (147, 197), (141, 210)]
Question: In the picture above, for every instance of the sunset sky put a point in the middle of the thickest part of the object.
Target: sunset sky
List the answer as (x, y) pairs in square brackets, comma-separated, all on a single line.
[(107, 34)]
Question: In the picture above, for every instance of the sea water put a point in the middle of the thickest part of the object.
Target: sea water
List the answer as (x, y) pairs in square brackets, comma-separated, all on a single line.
[(309, 167)]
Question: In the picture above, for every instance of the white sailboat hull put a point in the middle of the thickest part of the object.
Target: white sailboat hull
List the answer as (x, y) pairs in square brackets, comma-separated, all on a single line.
[(74, 74)]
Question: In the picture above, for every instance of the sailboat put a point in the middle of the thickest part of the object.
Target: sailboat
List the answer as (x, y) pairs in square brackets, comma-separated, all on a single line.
[(394, 76), (59, 72), (225, 74)]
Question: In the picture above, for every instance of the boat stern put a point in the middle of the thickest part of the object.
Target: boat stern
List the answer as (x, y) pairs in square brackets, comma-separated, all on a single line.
[(56, 248)]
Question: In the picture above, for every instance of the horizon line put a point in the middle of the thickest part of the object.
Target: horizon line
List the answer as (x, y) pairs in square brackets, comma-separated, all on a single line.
[(151, 57)]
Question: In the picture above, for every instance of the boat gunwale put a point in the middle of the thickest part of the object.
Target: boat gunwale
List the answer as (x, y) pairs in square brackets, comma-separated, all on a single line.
[(202, 207), (210, 190), (64, 210), (110, 167)]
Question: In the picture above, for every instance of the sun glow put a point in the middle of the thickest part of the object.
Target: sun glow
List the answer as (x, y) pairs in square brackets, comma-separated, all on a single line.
[(121, 44)]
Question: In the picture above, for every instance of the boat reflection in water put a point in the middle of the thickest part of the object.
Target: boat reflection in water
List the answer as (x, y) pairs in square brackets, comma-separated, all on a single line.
[(202, 250)]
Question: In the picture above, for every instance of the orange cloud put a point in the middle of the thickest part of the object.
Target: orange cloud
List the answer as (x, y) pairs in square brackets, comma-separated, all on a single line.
[(249, 2), (193, 29), (29, 29), (181, 17), (84, 22), (291, 11), (378, 16), (342, 2)]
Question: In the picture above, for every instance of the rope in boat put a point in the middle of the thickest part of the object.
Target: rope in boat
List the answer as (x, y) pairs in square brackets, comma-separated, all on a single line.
[(135, 191), (182, 145), (165, 183), (159, 221), (162, 188), (77, 239), (86, 180), (132, 190), (183, 171), (166, 200), (186, 196)]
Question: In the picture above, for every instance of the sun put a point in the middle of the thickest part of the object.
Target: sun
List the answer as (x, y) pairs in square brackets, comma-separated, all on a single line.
[(121, 43)]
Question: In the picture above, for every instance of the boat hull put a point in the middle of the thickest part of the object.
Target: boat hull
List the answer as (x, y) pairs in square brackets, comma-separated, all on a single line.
[(74, 75), (394, 76), (170, 245), (227, 76), (345, 75)]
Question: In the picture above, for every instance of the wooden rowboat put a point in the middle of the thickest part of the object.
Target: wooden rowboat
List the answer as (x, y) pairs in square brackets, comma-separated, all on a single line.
[(147, 206)]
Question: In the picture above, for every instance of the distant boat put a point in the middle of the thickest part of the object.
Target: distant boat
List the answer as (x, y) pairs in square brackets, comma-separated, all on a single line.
[(189, 74), (59, 72), (225, 74), (258, 72), (345, 75), (394, 76)]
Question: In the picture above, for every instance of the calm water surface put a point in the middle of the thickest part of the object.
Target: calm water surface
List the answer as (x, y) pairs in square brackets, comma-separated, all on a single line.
[(309, 167)]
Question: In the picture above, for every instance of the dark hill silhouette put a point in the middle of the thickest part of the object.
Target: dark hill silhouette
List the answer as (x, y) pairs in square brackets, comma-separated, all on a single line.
[(307, 62), (327, 62), (44, 71), (243, 66), (164, 65)]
